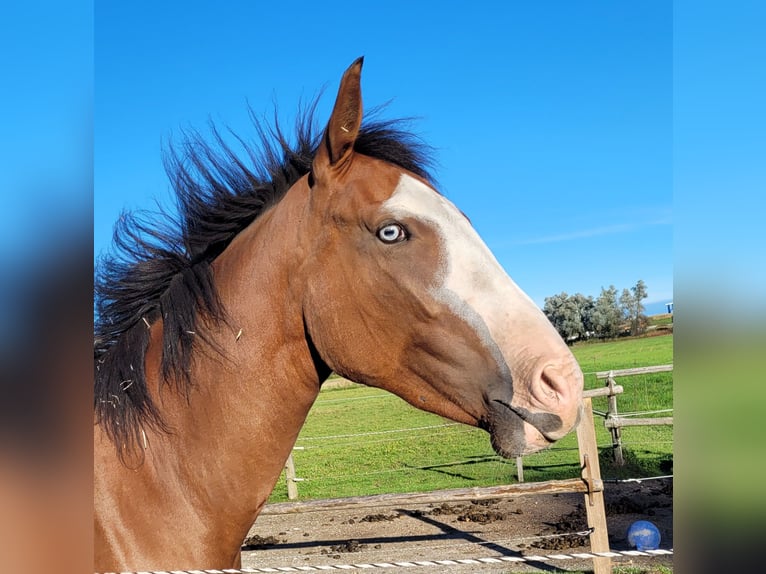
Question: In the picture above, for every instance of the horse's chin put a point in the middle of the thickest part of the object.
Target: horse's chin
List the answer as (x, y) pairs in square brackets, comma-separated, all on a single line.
[(510, 435)]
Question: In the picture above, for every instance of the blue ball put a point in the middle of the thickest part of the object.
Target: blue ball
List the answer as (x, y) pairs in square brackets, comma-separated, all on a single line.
[(643, 535)]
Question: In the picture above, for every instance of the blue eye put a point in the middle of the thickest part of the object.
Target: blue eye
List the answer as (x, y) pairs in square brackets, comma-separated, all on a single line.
[(392, 233)]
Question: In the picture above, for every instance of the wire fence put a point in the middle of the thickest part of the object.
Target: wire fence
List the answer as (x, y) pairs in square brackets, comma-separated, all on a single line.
[(359, 440)]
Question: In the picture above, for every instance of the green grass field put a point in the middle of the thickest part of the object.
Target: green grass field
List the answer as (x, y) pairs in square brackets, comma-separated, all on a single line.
[(622, 354), (359, 440)]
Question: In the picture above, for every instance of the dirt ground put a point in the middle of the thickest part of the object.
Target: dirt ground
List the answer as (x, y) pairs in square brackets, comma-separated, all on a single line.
[(536, 525)]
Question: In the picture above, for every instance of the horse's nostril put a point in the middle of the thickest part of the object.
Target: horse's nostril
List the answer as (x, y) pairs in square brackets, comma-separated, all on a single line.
[(551, 384), (560, 386)]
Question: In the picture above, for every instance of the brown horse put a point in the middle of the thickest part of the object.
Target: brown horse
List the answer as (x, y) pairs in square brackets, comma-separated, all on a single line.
[(212, 341)]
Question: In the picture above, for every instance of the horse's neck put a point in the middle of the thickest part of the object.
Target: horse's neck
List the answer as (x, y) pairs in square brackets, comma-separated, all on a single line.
[(231, 436), (251, 399)]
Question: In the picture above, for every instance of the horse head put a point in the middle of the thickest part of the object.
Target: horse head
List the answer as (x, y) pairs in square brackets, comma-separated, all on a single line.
[(401, 293)]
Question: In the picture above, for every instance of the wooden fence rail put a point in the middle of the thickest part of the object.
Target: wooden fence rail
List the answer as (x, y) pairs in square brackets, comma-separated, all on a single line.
[(634, 371), (433, 497)]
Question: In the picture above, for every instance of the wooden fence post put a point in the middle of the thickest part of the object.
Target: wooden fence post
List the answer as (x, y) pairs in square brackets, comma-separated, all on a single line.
[(616, 433), (292, 487), (594, 498), (519, 469)]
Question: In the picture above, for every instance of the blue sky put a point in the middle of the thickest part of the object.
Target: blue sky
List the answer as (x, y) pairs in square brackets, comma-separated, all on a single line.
[(552, 121)]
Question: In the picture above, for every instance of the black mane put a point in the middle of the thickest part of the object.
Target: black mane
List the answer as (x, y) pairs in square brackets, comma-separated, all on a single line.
[(161, 264)]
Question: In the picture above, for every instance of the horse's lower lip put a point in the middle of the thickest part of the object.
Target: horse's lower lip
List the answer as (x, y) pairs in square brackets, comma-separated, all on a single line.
[(511, 433), (524, 417)]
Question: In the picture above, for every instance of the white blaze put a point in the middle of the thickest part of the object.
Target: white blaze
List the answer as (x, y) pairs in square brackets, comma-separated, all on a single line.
[(472, 277)]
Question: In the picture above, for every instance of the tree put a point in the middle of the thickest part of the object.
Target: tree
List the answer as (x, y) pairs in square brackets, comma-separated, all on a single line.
[(633, 308), (570, 315), (607, 316), (585, 306)]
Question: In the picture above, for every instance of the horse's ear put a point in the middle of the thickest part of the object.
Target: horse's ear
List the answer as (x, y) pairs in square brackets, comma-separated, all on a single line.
[(339, 136)]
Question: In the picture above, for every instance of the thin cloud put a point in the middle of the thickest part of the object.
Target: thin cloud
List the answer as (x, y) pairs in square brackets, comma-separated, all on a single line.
[(597, 231)]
